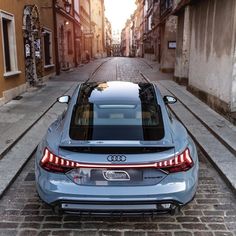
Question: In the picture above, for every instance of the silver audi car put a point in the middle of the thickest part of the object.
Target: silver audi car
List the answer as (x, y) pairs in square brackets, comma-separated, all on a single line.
[(117, 149)]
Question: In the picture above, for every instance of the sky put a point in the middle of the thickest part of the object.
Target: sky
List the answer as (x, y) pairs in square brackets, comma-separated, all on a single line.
[(118, 11)]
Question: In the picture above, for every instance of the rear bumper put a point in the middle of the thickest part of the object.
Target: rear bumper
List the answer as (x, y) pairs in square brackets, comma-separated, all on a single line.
[(117, 208), (60, 192), (71, 198)]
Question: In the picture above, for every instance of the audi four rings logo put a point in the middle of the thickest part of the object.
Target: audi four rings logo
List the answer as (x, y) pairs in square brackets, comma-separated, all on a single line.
[(116, 158)]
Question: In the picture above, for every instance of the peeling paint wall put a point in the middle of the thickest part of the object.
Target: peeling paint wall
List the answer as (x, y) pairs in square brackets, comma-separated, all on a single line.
[(212, 49)]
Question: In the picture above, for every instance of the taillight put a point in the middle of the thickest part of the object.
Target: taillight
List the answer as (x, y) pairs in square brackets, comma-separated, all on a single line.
[(53, 163), (181, 162)]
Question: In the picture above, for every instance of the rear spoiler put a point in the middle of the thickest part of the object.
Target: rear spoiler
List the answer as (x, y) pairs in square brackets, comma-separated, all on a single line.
[(114, 143), (117, 149)]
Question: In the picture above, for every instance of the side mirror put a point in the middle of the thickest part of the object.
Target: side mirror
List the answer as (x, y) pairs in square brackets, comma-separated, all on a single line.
[(169, 99), (64, 99)]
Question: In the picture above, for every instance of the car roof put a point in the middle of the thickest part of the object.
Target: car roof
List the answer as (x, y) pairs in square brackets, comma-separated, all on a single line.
[(116, 91)]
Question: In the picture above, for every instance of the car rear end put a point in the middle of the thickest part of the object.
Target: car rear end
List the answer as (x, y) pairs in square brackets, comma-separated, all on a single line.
[(117, 158)]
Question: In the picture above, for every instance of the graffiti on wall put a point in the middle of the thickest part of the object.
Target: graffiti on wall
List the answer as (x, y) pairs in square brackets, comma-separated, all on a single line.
[(32, 44)]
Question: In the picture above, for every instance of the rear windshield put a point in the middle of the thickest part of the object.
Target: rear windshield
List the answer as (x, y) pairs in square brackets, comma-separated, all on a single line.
[(114, 120)]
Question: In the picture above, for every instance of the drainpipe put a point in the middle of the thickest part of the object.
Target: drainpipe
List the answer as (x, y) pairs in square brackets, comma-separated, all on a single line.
[(103, 26), (90, 29), (74, 33), (54, 2)]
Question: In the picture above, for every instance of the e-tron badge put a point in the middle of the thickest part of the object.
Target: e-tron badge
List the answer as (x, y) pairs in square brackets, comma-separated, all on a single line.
[(116, 175), (116, 158)]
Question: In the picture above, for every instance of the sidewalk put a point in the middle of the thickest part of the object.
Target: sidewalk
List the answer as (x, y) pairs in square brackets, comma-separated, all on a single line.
[(215, 135)]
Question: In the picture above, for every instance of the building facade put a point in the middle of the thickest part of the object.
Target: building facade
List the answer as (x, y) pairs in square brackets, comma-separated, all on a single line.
[(68, 33), (86, 30), (139, 28), (122, 42), (168, 27), (151, 39), (205, 57), (97, 24), (108, 38), (151, 33), (127, 39), (26, 45)]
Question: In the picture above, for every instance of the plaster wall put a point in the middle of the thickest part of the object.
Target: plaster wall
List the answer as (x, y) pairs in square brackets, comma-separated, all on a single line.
[(17, 80), (212, 48), (97, 14), (183, 45), (16, 84), (168, 33), (66, 54), (46, 19)]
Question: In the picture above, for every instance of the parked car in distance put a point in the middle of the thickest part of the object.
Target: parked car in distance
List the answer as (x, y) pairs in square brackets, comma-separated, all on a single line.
[(117, 149)]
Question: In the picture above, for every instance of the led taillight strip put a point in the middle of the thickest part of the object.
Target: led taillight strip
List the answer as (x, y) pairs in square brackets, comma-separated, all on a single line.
[(183, 158)]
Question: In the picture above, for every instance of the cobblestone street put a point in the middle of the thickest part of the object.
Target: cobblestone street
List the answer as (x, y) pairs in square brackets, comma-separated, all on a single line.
[(211, 213)]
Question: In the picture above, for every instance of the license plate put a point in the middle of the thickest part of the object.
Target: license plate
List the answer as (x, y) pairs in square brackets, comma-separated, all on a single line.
[(116, 175)]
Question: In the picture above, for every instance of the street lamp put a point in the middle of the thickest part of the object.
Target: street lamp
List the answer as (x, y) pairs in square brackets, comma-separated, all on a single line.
[(67, 6)]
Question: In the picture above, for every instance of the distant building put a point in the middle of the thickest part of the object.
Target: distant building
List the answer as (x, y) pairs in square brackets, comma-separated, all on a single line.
[(108, 37), (98, 26), (116, 36), (116, 50), (151, 33), (86, 30), (139, 28), (126, 39), (67, 27), (123, 42)]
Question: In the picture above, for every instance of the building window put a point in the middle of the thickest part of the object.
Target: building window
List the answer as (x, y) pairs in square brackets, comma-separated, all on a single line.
[(165, 6), (150, 22), (47, 39), (69, 42), (9, 44)]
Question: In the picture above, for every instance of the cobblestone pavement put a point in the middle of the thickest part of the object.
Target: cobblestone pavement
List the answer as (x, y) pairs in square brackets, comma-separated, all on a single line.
[(121, 68), (211, 213)]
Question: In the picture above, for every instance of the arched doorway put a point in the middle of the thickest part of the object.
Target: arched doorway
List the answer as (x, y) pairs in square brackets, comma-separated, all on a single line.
[(32, 44)]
